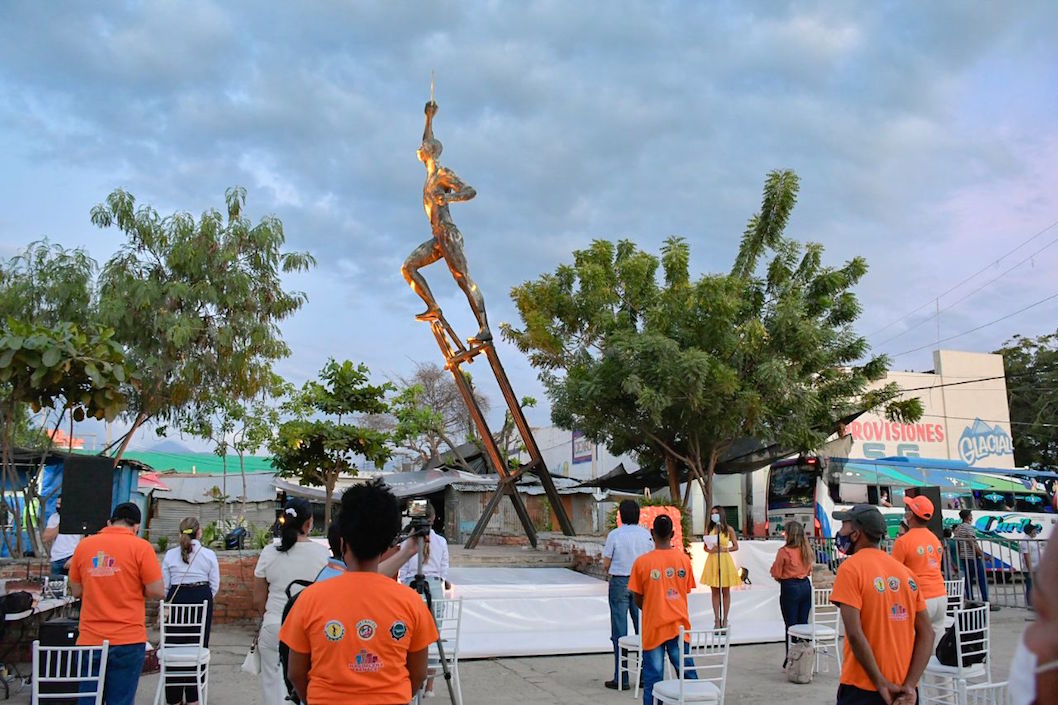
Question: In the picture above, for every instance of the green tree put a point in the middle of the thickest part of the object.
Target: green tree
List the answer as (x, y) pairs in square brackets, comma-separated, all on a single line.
[(323, 440), (195, 303), (1031, 367), (428, 415), (677, 370)]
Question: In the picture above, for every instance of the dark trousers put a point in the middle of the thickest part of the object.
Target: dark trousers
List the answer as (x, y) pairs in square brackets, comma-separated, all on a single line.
[(974, 571), (851, 695), (124, 665), (621, 606), (795, 602), (187, 595)]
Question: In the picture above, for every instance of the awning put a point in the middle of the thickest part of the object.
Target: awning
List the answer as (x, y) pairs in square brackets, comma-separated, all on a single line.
[(402, 484)]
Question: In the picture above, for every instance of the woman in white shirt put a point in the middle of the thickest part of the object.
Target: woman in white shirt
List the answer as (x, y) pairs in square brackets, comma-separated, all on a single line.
[(192, 576), (295, 558)]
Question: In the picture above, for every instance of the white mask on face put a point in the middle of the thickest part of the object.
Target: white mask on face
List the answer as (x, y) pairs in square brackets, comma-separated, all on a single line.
[(1021, 684), (716, 518)]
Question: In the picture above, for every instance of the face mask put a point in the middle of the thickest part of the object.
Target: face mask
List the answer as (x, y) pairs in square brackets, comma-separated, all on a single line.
[(716, 518), (1021, 684), (843, 542)]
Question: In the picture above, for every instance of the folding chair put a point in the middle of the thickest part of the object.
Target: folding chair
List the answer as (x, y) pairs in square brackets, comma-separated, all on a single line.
[(630, 650), (182, 653), (64, 670), (988, 694), (823, 630), (951, 684), (707, 652), (448, 613)]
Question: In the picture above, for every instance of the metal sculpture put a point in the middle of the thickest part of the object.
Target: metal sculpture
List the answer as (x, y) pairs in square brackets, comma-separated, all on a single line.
[(443, 187)]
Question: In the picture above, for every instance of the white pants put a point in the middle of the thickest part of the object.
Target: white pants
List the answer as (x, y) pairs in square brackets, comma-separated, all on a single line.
[(936, 610), (272, 685)]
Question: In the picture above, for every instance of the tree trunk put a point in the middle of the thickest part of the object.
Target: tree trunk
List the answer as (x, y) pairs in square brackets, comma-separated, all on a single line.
[(223, 485), (329, 482), (673, 470), (140, 418), (242, 471)]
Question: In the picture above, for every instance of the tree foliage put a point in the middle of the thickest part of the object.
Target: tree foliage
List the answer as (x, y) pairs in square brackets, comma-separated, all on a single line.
[(322, 440), (1031, 367), (196, 304), (677, 369)]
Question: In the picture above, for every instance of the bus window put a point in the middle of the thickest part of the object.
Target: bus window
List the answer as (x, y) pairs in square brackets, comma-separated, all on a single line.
[(992, 501), (879, 495), (956, 501), (1031, 502), (791, 486)]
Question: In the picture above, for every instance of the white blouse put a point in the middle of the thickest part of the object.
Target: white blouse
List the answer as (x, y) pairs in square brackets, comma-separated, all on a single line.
[(202, 567)]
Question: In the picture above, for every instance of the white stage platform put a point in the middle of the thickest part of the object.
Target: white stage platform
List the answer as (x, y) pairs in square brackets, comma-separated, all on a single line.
[(543, 611)]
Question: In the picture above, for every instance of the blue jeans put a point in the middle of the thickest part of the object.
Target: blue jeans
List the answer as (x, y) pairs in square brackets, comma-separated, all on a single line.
[(977, 578), (124, 665), (57, 569), (795, 602), (654, 666), (621, 605)]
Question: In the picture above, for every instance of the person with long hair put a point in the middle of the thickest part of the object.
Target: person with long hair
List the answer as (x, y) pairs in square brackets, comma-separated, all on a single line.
[(720, 573), (792, 567), (295, 558), (191, 575)]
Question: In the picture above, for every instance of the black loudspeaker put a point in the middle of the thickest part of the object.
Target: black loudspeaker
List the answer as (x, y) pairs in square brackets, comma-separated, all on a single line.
[(87, 489), (936, 523), (58, 632)]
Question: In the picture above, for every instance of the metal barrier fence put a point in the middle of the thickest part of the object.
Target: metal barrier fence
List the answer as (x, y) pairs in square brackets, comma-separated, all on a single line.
[(996, 570)]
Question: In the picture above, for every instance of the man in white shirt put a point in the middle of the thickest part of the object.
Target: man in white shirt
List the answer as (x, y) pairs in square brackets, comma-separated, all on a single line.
[(623, 545), (434, 560), (63, 546)]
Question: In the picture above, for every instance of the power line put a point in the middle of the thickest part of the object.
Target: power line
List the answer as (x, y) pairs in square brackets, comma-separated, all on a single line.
[(939, 311), (974, 330), (953, 288)]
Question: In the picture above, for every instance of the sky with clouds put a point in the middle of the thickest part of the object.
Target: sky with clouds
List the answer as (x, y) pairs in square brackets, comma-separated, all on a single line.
[(924, 135)]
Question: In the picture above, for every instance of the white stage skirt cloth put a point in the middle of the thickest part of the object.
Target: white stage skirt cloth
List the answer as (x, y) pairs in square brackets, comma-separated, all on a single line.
[(548, 611)]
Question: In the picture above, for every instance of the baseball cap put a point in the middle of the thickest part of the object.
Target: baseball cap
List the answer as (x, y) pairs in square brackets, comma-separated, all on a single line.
[(920, 506), (867, 516), (126, 511)]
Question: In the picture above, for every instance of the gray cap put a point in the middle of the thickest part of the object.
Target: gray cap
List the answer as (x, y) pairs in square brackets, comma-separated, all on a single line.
[(867, 516)]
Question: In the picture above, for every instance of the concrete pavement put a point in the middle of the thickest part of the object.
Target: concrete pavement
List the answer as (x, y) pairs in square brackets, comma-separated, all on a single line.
[(754, 675)]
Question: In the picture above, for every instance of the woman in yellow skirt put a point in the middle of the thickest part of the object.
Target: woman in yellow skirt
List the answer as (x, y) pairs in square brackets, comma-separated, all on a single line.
[(720, 573)]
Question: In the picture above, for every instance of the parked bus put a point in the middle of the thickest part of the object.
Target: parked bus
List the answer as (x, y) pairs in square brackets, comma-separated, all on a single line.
[(810, 489)]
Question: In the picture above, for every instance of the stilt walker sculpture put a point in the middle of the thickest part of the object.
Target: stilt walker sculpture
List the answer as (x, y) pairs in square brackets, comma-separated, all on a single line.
[(441, 188)]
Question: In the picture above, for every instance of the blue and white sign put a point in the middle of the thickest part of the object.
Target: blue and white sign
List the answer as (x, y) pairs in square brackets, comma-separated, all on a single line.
[(979, 441)]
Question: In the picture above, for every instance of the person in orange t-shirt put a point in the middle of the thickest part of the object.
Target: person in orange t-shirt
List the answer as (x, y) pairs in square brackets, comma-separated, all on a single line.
[(361, 636), (113, 573), (888, 638), (922, 552), (792, 568), (659, 583)]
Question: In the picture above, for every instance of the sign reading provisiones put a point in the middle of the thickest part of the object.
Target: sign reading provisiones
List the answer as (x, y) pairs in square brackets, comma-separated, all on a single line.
[(583, 448)]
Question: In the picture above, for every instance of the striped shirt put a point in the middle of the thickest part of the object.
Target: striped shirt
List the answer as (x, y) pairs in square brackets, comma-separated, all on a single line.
[(965, 536)]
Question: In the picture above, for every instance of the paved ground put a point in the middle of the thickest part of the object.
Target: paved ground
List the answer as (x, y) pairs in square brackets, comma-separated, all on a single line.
[(754, 675)]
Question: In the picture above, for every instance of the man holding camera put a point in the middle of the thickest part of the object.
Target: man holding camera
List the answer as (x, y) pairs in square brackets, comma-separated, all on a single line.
[(360, 637)]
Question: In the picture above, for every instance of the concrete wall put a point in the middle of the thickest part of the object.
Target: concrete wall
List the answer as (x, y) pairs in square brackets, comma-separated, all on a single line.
[(558, 451)]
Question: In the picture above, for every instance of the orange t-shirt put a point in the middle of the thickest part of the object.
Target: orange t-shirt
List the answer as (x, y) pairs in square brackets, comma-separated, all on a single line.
[(113, 567), (885, 593), (789, 563), (358, 629), (921, 552), (663, 577)]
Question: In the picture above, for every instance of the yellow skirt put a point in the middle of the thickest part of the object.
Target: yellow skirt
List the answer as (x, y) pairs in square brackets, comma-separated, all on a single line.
[(717, 566)]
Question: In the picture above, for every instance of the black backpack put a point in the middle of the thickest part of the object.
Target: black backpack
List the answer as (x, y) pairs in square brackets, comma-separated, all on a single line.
[(284, 650), (13, 603), (947, 648)]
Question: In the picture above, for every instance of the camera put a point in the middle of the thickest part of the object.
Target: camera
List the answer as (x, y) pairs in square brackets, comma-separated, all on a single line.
[(417, 511)]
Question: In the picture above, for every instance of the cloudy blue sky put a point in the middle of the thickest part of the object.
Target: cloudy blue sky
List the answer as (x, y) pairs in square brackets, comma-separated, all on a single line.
[(924, 135)]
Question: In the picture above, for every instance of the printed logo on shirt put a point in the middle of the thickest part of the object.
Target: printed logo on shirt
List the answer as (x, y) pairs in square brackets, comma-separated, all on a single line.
[(921, 551), (398, 630), (929, 548), (670, 573), (681, 573), (103, 565), (671, 594), (365, 629), (894, 583), (366, 662), (897, 613), (879, 584), (911, 584), (334, 630), (655, 574)]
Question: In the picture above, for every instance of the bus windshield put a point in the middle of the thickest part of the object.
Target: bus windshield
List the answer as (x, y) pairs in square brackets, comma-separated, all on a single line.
[(792, 485)]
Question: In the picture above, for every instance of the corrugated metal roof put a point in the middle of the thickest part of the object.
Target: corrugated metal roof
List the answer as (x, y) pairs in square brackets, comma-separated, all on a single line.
[(199, 488), (199, 462)]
